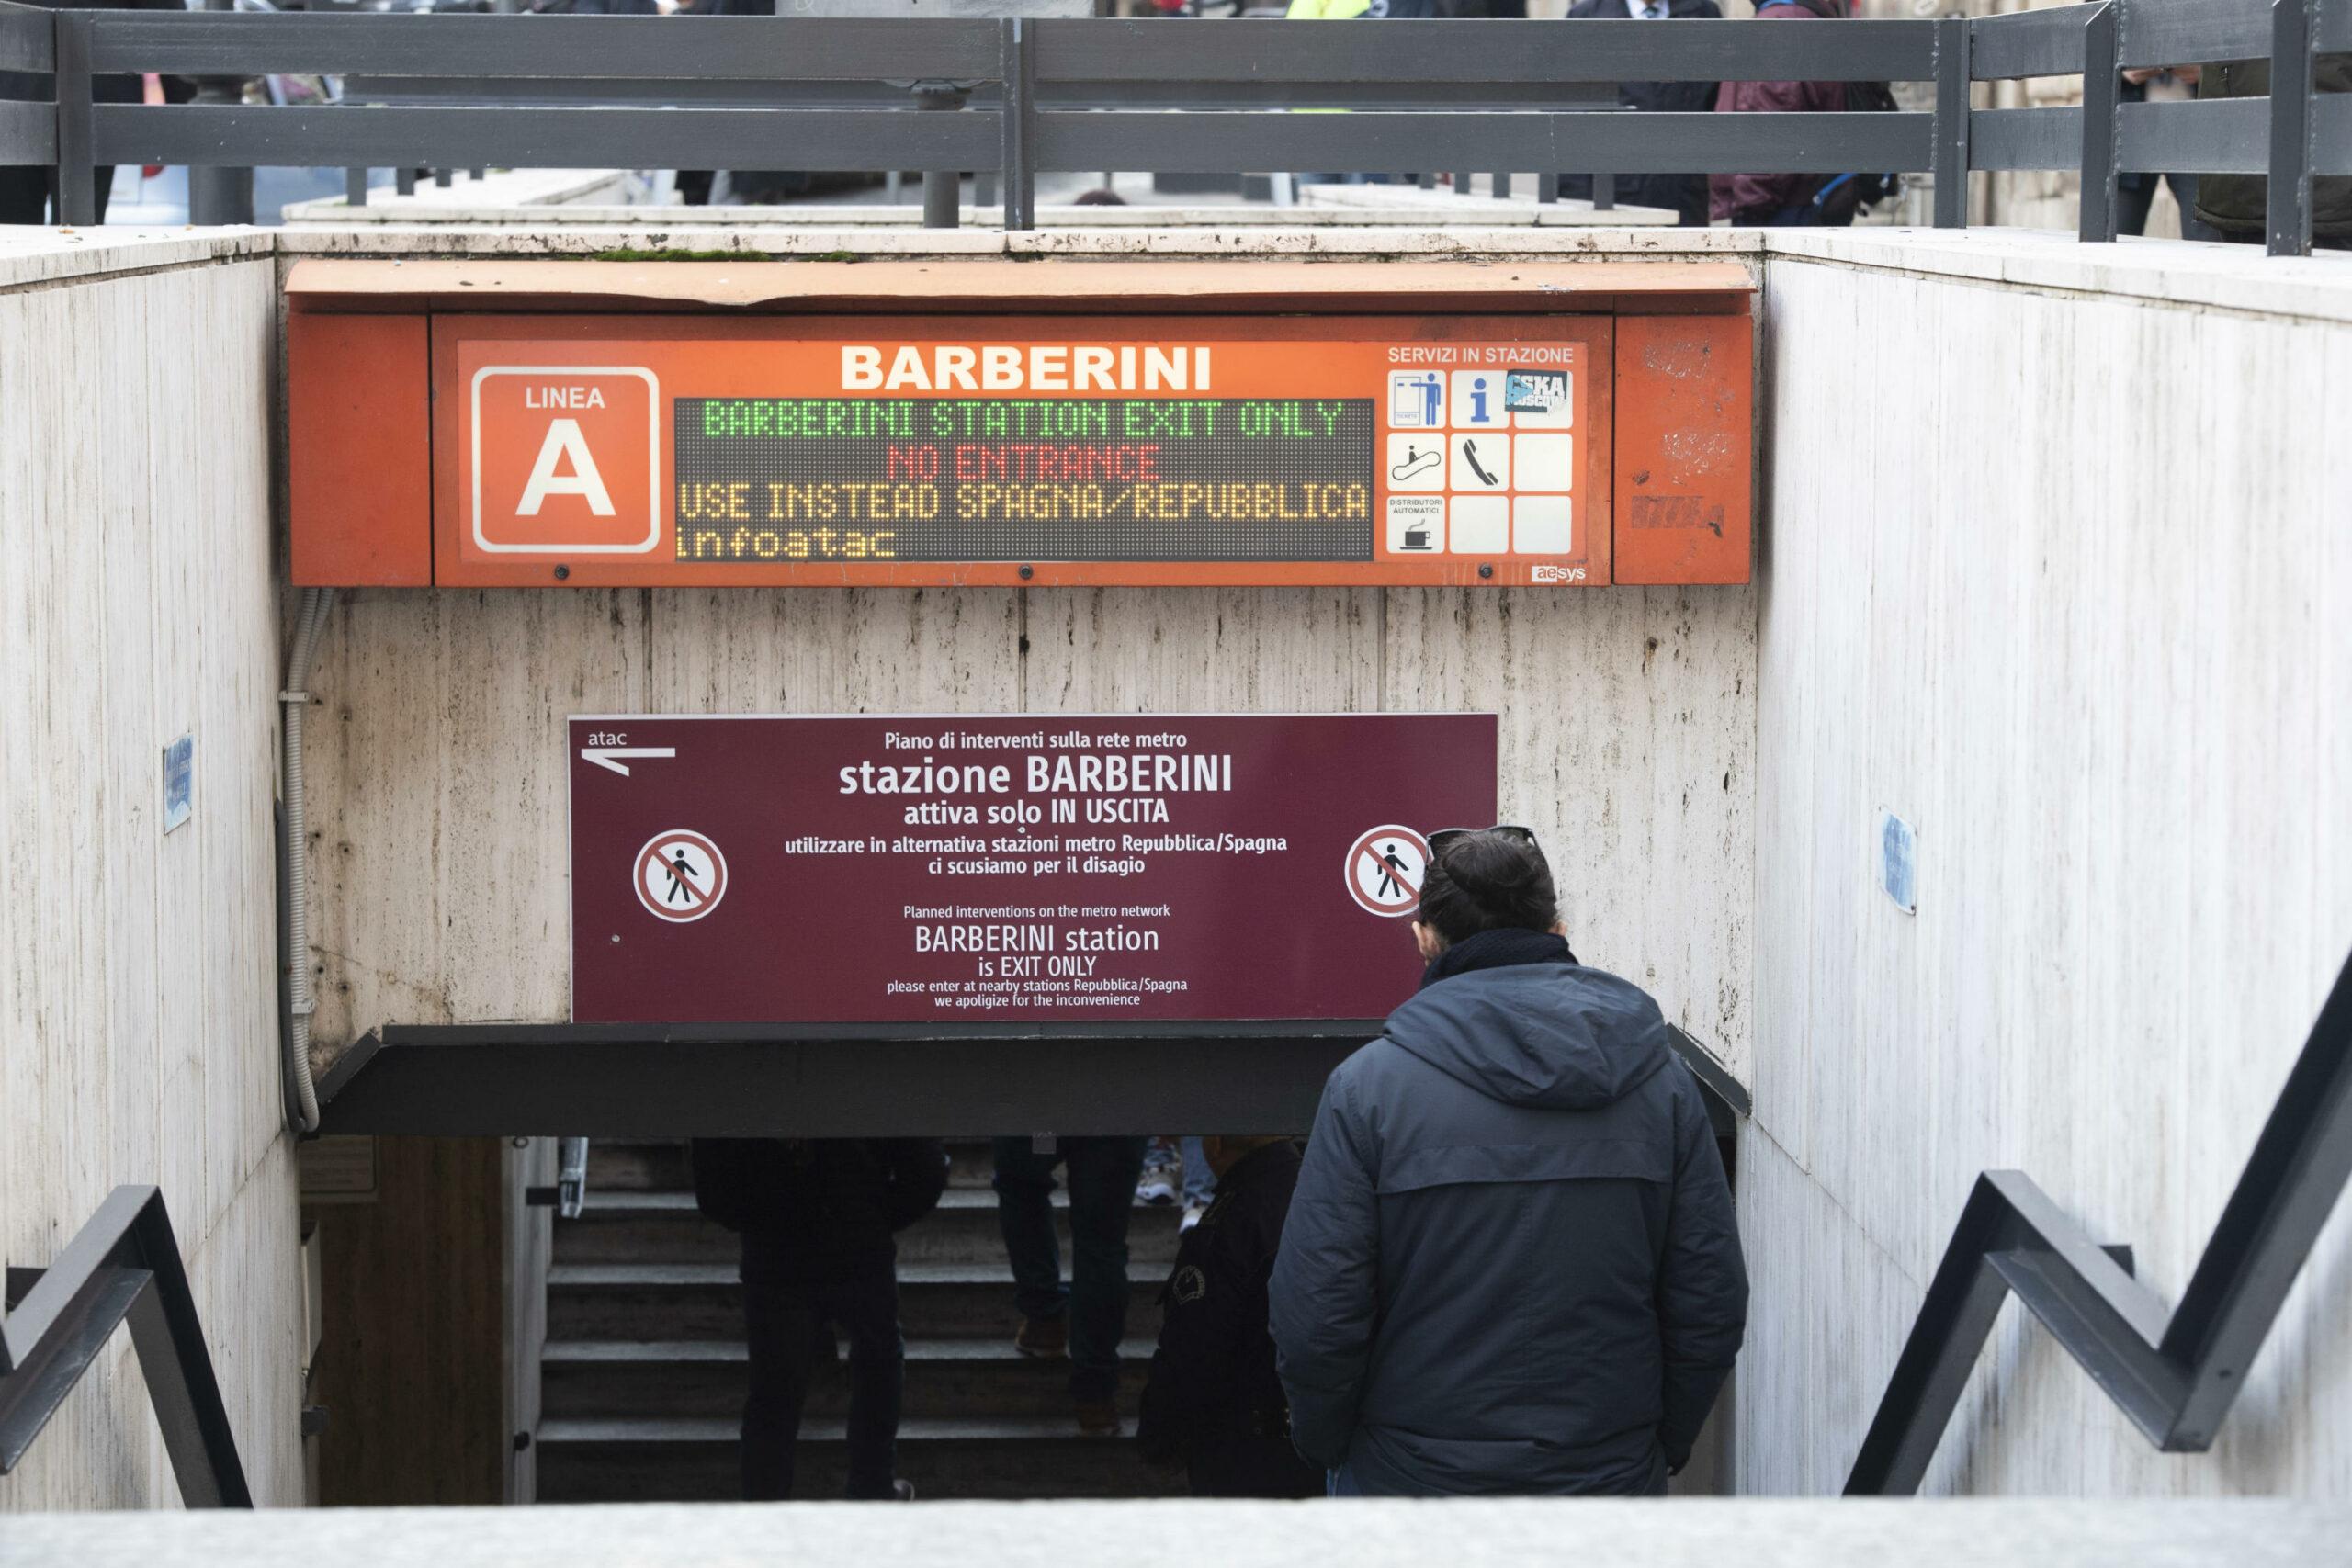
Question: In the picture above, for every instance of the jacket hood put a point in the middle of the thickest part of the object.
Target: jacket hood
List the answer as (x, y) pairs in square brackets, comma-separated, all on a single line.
[(1553, 1035)]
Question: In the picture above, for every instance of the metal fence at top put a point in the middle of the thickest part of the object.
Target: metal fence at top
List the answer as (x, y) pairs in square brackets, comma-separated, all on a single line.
[(1016, 98)]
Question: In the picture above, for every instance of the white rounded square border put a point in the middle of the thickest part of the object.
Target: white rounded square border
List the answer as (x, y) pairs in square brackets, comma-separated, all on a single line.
[(653, 456)]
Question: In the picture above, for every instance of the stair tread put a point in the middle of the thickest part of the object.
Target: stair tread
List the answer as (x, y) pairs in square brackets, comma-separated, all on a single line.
[(609, 1351), (722, 1430), (618, 1202), (724, 1274)]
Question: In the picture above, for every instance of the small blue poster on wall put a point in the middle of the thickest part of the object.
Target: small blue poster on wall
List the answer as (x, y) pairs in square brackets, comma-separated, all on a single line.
[(179, 781), (1898, 855)]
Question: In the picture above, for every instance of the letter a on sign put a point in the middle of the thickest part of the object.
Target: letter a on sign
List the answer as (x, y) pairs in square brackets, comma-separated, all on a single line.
[(562, 460), (565, 444)]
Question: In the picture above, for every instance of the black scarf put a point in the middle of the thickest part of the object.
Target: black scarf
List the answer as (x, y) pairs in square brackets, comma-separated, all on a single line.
[(1502, 948)]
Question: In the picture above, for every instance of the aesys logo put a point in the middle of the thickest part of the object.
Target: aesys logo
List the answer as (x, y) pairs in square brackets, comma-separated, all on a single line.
[(566, 460)]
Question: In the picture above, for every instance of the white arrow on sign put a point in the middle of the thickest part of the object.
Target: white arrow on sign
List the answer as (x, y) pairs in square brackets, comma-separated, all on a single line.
[(605, 756)]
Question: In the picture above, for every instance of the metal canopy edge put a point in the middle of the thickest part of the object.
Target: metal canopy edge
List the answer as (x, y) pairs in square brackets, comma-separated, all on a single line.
[(858, 1080)]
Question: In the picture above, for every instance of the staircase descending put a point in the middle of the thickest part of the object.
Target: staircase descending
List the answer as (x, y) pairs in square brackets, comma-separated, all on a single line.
[(643, 1378)]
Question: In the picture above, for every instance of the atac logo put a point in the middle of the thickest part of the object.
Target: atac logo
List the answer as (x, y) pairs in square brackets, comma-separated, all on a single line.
[(566, 460)]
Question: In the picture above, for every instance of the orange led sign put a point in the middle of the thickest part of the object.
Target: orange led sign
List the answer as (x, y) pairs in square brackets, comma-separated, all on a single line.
[(599, 447)]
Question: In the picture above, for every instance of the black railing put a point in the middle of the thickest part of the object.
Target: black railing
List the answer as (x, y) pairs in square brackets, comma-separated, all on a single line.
[(123, 1267), (2174, 1375), (1030, 96)]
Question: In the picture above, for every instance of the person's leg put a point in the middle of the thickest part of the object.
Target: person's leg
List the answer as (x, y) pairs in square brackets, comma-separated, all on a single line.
[(2184, 191), (1024, 1214), (1102, 1174), (780, 1322), (1199, 1180), (2134, 194), (1163, 1173), (866, 1307), (24, 195), (1254, 1467), (102, 178)]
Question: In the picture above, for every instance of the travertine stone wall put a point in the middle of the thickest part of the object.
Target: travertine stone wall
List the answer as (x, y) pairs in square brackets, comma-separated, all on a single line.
[(2063, 578), (438, 776), (137, 971)]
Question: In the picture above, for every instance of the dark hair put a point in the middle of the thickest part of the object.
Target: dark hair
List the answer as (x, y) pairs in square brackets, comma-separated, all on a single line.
[(1101, 196), (1488, 881)]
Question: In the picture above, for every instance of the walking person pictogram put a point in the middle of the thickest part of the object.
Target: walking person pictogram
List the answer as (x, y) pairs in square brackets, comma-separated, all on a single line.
[(680, 876), (1384, 869), (682, 881)]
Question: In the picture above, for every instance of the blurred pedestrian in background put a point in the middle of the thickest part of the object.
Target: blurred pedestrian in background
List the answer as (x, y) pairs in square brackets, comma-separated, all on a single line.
[(1781, 200), (1685, 196), (28, 192), (2238, 205), (2135, 192)]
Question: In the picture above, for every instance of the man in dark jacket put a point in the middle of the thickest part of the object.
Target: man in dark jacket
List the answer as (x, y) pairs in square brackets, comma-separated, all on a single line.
[(817, 1218), (1213, 1401), (1780, 199), (1684, 195), (1511, 1264)]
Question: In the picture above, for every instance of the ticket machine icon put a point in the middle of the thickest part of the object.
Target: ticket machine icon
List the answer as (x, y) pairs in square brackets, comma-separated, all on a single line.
[(1416, 400)]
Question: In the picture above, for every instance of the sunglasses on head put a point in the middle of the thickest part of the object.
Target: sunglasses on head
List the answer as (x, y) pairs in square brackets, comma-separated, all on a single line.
[(1443, 836)]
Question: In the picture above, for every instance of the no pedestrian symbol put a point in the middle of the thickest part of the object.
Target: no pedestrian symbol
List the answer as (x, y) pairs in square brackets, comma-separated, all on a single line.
[(681, 875), (1385, 870)]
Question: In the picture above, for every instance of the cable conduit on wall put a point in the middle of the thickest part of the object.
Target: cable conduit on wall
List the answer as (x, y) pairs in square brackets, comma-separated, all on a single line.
[(302, 1113)]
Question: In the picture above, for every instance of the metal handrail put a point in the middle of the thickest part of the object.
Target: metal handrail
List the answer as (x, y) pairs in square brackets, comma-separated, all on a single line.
[(2174, 1375), (1023, 96), (122, 1267)]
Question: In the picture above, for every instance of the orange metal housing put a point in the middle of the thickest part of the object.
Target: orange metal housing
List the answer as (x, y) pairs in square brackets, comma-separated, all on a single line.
[(359, 451), (420, 394), (1685, 448)]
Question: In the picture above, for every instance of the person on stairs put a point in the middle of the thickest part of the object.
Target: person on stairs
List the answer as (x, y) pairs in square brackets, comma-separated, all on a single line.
[(1510, 1264), (1213, 1403), (817, 1219), (1086, 1321)]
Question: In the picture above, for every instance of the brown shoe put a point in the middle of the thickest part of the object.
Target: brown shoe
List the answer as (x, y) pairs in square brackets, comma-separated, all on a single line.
[(1098, 1418), (1043, 1338)]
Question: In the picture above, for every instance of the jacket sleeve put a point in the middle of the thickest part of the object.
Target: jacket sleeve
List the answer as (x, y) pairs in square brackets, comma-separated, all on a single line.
[(918, 1172), (1703, 1285), (1325, 1294), (1205, 1323)]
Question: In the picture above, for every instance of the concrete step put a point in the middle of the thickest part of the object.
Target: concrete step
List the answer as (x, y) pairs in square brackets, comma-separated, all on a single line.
[(966, 1379), (641, 1165), (625, 1227), (662, 1301), (695, 1460), (638, 1165)]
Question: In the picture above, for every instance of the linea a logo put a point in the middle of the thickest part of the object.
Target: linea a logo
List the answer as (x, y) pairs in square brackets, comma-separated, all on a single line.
[(566, 460)]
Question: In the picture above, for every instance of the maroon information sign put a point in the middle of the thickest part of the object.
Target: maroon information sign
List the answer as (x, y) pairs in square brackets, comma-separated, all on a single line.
[(1138, 867)]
